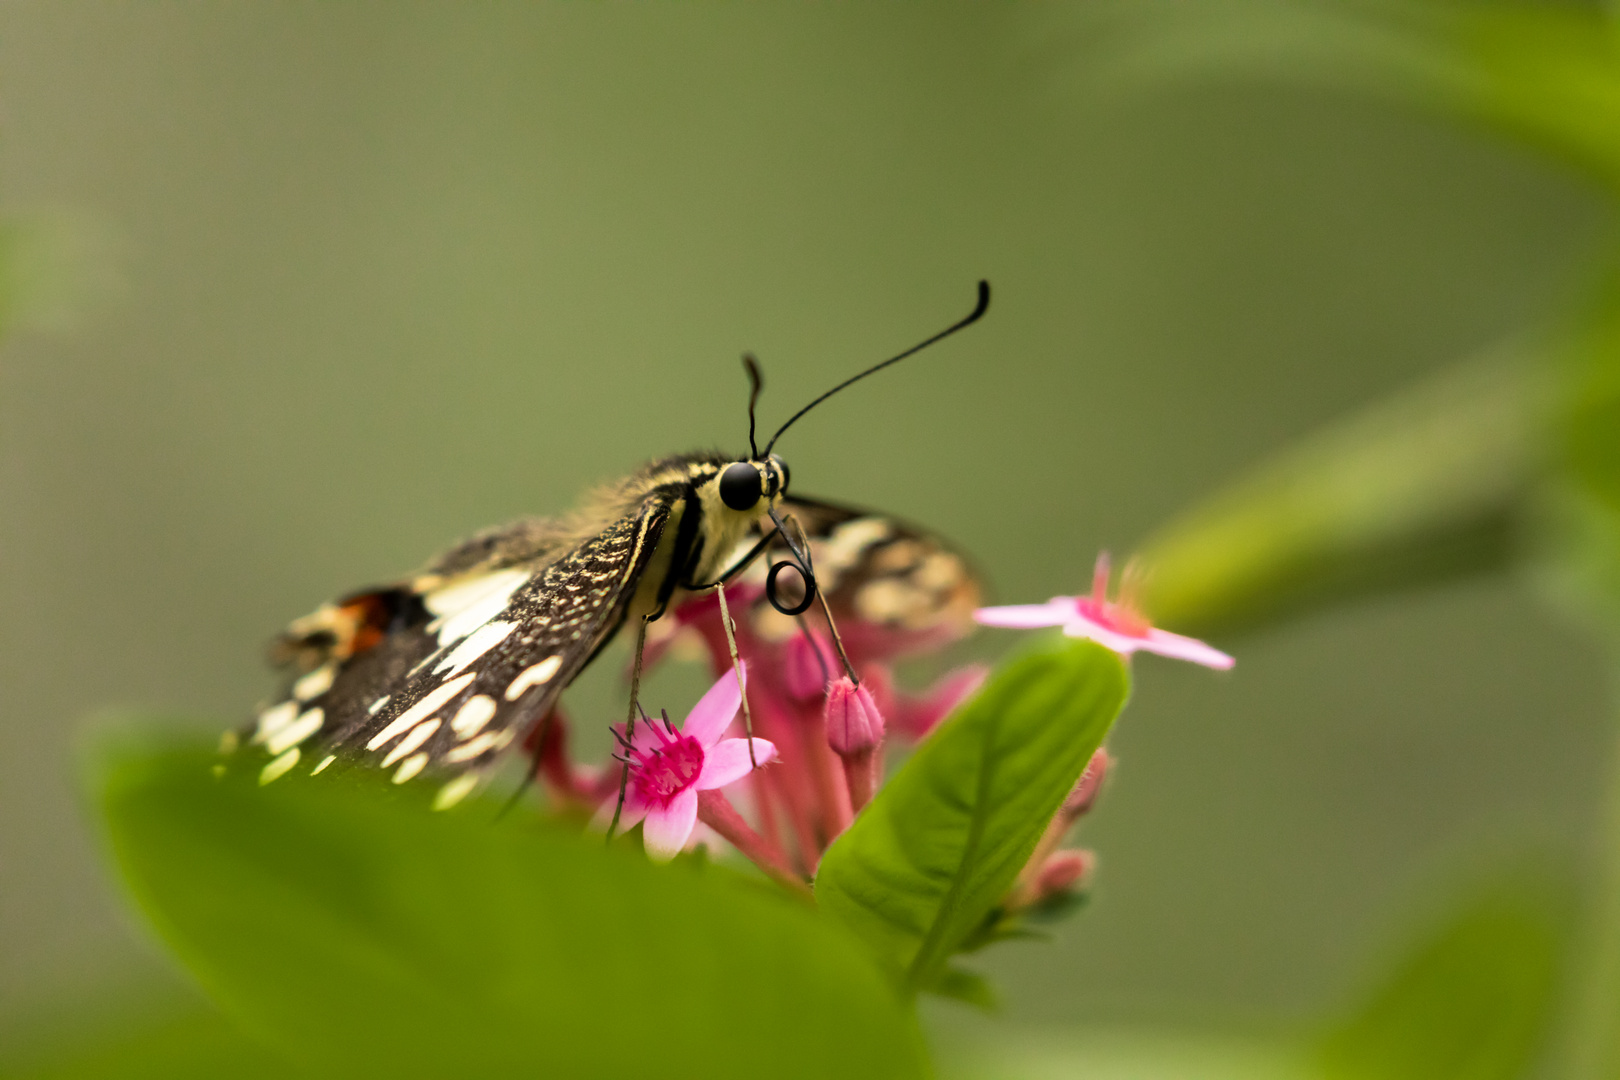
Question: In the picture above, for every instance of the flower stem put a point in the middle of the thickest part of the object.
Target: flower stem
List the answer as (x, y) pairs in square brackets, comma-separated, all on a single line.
[(861, 777), (716, 811), (791, 784), (836, 809)]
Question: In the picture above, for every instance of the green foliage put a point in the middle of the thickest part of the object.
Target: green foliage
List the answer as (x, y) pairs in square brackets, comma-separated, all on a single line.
[(190, 1045), (366, 936), (925, 863), (1429, 485), (1473, 1002), (1133, 1053), (1547, 73)]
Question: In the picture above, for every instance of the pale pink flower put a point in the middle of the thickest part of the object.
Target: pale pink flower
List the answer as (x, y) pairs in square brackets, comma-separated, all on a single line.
[(669, 766), (1116, 625)]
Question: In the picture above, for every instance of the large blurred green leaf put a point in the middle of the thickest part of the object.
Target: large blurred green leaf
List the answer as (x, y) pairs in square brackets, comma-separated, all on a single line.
[(368, 937), (930, 856), (1592, 417), (192, 1044), (1426, 486), (1472, 1002), (1125, 1054), (1547, 73)]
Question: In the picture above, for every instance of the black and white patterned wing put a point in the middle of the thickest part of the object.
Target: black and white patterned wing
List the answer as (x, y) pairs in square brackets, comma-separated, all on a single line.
[(884, 576), (460, 672)]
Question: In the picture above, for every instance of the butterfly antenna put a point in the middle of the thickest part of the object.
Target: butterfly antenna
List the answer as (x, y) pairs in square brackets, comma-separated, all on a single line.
[(975, 316), (756, 383)]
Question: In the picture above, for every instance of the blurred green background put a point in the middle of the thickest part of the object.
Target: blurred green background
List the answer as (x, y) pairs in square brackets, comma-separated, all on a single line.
[(313, 290)]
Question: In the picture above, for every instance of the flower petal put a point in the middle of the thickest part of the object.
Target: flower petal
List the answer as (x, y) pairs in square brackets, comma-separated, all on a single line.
[(1157, 641), (1124, 644), (727, 762), (634, 811), (1055, 612), (716, 709), (667, 828), (645, 739), (1165, 643)]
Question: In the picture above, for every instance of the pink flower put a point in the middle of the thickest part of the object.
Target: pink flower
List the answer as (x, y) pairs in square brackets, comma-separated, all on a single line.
[(668, 767), (1116, 625)]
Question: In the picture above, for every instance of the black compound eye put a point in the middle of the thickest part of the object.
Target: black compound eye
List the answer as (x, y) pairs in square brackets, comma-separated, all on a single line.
[(739, 486)]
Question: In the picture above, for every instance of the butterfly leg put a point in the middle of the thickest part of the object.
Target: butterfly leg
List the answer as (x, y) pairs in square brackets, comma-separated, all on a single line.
[(736, 666), (630, 720)]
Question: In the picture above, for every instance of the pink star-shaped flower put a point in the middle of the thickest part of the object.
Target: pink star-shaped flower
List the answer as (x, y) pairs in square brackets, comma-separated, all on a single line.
[(1116, 625), (669, 766)]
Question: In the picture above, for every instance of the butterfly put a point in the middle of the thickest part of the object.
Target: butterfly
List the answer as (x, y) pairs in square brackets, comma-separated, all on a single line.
[(435, 675)]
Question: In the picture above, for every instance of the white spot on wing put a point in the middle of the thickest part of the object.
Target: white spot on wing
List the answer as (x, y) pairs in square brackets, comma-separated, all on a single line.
[(421, 710), (538, 675), (278, 767), (454, 791), (464, 607), (940, 571), (489, 740), (843, 549), (296, 732), (273, 720), (410, 767), (419, 735), (324, 762), (377, 706), (315, 683), (478, 643), (473, 716)]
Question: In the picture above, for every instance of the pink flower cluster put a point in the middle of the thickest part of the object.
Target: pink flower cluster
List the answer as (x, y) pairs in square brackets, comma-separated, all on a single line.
[(819, 737)]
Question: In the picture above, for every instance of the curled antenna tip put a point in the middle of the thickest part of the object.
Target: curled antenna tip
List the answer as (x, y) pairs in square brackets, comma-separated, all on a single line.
[(978, 312)]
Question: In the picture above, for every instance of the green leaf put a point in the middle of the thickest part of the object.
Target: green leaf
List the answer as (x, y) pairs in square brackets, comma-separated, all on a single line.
[(930, 856), (968, 987), (1473, 1002), (1124, 1053), (195, 1044), (1547, 73), (366, 936), (1427, 486)]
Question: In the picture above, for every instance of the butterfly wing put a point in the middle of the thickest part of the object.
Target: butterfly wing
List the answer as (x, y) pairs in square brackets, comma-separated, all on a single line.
[(437, 678), (901, 585)]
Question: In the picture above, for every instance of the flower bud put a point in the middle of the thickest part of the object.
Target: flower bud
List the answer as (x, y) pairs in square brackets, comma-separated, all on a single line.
[(854, 725), (1085, 790), (1063, 871)]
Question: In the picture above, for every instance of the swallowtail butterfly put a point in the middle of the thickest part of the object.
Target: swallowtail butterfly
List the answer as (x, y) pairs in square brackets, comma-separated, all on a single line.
[(435, 675)]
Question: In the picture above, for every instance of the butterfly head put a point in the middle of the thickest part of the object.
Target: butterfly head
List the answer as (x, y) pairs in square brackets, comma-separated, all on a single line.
[(753, 486)]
